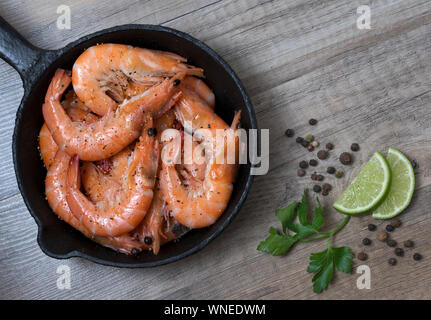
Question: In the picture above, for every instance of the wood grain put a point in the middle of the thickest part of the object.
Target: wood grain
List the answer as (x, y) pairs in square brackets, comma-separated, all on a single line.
[(297, 59)]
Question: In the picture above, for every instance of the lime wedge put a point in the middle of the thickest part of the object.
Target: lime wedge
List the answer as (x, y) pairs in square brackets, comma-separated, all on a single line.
[(401, 189), (368, 188)]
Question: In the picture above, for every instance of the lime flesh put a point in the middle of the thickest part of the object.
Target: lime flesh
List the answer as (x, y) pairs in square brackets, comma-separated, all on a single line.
[(401, 189), (368, 188)]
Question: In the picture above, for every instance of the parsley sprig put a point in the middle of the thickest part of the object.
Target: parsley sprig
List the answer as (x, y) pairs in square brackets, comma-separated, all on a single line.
[(322, 263)]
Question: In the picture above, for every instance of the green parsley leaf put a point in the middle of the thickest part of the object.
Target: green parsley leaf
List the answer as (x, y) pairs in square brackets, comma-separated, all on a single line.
[(318, 217), (287, 214), (300, 230), (322, 264), (272, 230), (276, 244), (343, 259), (323, 277)]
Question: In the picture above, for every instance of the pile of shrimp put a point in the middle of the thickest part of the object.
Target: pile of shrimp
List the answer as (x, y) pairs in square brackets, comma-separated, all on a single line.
[(102, 140)]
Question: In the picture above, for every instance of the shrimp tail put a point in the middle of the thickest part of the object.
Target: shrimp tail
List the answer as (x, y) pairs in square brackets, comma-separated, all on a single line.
[(59, 84), (236, 120)]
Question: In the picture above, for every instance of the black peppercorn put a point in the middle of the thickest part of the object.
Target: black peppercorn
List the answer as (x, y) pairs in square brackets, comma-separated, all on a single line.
[(392, 261), (303, 164), (313, 162), (408, 243), (366, 242), (354, 147), (148, 240), (317, 188), (325, 193), (362, 256), (399, 252), (289, 133), (391, 243), (346, 158), (330, 170), (152, 132), (339, 174), (312, 122), (329, 146), (389, 228), (319, 177), (314, 176), (299, 139), (323, 154), (327, 187), (372, 227), (417, 256), (382, 236), (396, 223), (301, 172), (309, 138)]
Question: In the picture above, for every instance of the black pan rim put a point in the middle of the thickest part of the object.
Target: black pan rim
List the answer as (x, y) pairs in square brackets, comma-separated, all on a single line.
[(29, 87)]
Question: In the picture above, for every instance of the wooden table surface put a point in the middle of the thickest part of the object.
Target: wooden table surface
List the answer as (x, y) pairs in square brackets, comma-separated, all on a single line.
[(297, 60)]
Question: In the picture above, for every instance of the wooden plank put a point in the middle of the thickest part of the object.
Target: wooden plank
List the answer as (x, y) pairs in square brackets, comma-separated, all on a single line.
[(297, 59)]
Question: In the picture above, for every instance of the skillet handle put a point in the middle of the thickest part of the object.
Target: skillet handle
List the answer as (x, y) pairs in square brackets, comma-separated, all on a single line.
[(17, 51)]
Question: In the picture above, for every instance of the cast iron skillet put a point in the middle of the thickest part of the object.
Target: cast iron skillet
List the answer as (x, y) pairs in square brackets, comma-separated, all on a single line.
[(36, 68)]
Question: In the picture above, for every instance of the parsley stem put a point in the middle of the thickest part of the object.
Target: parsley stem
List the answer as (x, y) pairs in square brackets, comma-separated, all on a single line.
[(341, 226), (333, 232), (313, 239), (329, 234)]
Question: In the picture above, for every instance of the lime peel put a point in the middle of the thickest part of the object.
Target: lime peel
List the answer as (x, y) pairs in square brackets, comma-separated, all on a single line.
[(368, 189), (402, 186)]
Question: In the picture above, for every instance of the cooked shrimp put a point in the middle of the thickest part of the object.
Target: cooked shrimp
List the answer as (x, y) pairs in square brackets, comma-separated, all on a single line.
[(201, 89), (98, 185), (103, 181), (168, 121), (192, 169), (202, 204), (101, 67), (134, 89), (55, 189), (158, 227), (114, 131), (123, 213), (71, 100), (149, 230), (47, 146), (193, 109)]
